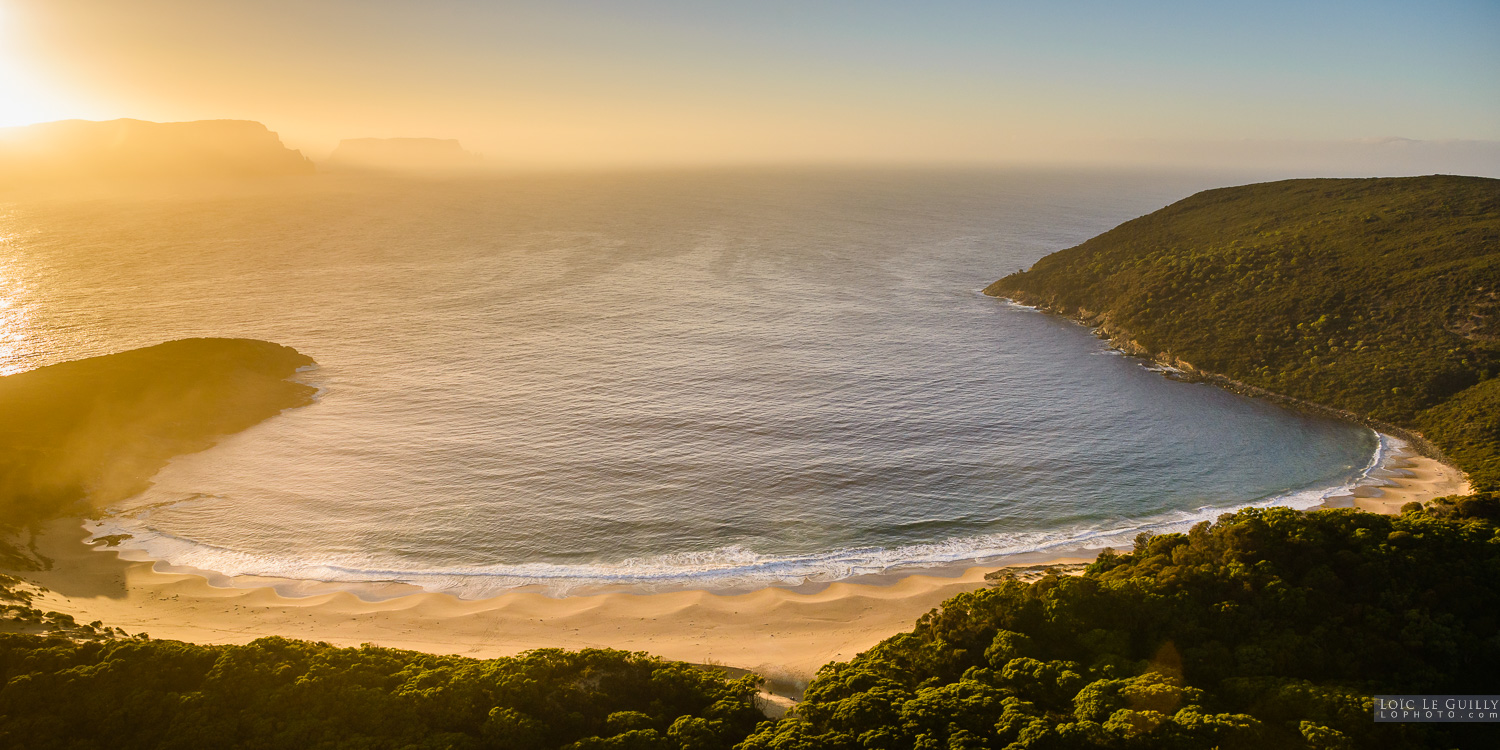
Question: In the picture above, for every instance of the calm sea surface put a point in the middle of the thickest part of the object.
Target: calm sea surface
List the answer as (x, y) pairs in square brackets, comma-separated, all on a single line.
[(707, 379)]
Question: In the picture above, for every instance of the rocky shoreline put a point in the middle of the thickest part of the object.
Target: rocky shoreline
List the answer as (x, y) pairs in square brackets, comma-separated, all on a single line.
[(1124, 341)]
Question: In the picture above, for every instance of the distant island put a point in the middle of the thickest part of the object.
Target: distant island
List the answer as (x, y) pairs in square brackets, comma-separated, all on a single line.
[(401, 154), (1376, 298), (79, 435), (71, 150)]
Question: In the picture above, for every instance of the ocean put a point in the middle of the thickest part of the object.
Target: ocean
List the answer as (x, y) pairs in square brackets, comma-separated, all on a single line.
[(651, 380)]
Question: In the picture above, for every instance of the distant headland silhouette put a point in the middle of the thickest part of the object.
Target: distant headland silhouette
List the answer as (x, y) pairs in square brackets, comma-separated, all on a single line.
[(82, 149)]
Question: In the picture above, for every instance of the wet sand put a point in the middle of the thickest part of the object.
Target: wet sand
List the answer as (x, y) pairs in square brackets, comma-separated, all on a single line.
[(1408, 478), (780, 633), (783, 634)]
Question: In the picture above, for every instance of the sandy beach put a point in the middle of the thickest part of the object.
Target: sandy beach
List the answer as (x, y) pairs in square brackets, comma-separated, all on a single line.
[(781, 633), (1408, 478)]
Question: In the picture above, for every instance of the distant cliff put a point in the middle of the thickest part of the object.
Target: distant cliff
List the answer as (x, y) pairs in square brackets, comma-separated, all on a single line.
[(1380, 297), (401, 154), (93, 431), (116, 149)]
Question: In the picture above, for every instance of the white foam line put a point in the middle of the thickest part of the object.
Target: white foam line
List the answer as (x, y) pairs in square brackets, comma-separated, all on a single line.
[(309, 375), (1008, 302), (728, 567)]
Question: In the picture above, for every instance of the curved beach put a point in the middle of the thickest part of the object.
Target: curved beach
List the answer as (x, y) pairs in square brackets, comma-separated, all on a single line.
[(784, 634)]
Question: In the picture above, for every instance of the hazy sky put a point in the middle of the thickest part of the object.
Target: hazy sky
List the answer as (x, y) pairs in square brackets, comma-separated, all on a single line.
[(567, 82)]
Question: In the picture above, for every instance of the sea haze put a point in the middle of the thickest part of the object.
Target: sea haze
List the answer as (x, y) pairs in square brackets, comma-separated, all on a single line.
[(716, 379)]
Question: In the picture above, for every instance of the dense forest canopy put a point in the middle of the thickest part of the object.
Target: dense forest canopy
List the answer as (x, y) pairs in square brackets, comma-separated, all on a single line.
[(1269, 628), (1376, 296), (276, 693)]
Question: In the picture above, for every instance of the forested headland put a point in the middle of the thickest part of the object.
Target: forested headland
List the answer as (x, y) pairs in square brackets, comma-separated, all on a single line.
[(79, 435), (1379, 297)]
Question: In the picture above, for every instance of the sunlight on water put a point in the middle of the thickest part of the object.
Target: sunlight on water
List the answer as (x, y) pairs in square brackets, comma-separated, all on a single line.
[(715, 379), (13, 313)]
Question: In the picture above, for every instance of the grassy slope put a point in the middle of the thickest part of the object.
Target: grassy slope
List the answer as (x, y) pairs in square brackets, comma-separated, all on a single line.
[(95, 430), (1376, 296)]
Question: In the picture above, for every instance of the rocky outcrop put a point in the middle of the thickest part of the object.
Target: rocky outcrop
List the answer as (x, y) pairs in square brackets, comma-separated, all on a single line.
[(1177, 368)]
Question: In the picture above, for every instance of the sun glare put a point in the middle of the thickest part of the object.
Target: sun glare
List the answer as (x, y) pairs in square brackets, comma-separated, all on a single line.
[(15, 104), (23, 99)]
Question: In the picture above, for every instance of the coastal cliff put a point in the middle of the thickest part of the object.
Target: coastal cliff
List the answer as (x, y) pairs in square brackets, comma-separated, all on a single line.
[(1375, 299), (82, 434), (131, 149)]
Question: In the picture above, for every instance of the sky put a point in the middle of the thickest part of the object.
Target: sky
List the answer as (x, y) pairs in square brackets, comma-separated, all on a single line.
[(571, 83)]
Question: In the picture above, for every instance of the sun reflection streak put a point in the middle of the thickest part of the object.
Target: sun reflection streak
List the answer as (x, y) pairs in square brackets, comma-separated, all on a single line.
[(14, 314)]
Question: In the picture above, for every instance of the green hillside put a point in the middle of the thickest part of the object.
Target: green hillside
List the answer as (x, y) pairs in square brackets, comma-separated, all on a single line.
[(1376, 296), (93, 431), (1268, 629)]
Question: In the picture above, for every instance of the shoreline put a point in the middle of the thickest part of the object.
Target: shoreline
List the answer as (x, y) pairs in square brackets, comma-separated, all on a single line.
[(782, 633), (1405, 476), (1371, 490), (1391, 458), (1123, 341)]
